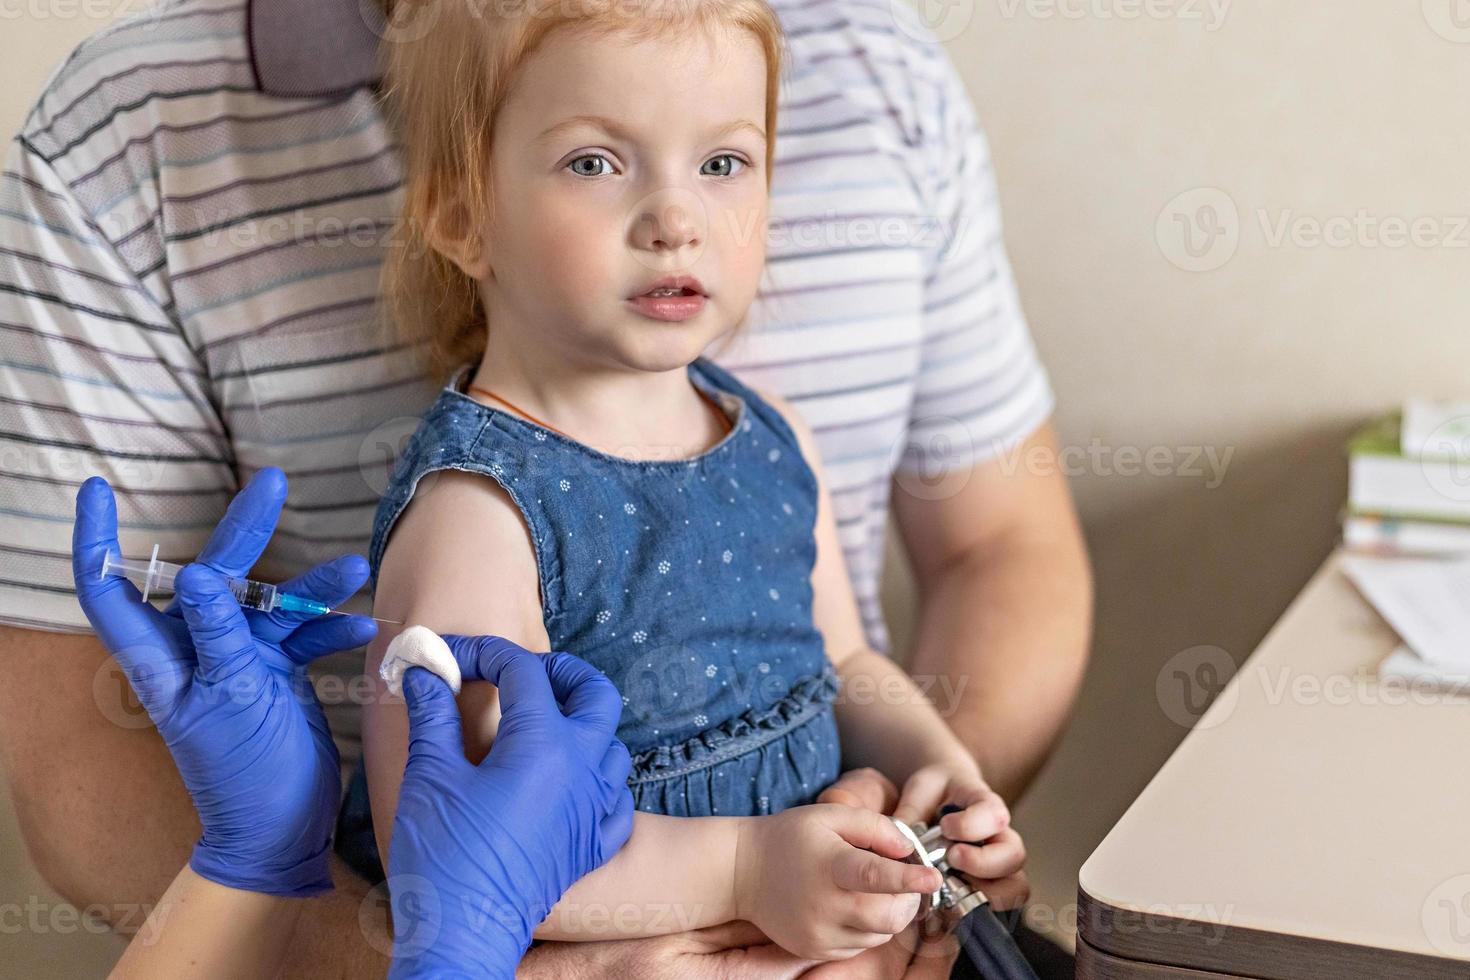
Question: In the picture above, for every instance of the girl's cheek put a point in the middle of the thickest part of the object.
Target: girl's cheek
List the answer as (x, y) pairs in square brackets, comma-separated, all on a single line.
[(580, 246)]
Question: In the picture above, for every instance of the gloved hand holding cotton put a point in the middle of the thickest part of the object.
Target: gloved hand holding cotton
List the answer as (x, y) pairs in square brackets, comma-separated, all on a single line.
[(499, 842), (418, 646)]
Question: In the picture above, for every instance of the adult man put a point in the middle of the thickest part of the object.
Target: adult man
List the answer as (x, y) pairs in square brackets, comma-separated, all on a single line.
[(191, 227)]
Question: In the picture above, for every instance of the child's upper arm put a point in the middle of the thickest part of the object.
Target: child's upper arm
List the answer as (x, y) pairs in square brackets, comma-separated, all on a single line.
[(459, 559), (834, 608)]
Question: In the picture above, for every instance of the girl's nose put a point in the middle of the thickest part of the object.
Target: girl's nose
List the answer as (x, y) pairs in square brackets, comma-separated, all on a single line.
[(667, 222)]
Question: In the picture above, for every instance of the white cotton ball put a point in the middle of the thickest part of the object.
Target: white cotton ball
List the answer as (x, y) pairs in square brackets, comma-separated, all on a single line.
[(418, 646)]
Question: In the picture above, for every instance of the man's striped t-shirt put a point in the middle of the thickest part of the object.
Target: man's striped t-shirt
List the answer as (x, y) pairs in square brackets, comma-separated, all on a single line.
[(192, 223)]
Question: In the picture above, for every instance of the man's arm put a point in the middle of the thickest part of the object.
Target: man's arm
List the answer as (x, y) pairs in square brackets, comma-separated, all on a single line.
[(1005, 594), (98, 799), (104, 813), (100, 804), (1002, 571)]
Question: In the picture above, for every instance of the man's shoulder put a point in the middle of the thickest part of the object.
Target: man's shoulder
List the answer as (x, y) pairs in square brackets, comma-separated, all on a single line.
[(141, 67), (888, 31), (882, 54)]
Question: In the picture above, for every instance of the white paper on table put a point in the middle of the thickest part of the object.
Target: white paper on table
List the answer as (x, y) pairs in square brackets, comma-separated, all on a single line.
[(1426, 601), (1406, 665)]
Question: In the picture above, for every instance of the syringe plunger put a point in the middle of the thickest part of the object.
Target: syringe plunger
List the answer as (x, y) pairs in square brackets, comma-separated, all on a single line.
[(156, 575)]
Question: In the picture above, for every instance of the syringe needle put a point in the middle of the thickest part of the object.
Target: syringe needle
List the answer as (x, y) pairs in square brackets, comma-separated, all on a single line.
[(340, 612)]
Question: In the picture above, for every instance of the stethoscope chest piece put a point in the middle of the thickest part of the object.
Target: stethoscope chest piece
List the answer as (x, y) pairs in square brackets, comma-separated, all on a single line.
[(963, 909)]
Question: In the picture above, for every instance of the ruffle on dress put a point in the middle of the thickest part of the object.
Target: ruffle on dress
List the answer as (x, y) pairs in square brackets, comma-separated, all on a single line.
[(808, 697)]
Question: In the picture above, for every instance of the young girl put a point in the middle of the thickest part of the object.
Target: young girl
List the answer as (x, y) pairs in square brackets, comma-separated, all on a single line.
[(585, 214)]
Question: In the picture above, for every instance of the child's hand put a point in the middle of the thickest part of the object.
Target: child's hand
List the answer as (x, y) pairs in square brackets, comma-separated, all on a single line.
[(984, 813), (809, 877), (995, 867)]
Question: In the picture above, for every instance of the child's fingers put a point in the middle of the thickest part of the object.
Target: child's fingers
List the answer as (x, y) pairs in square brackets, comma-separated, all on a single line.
[(864, 871), (867, 830), (866, 788), (984, 815), (885, 914), (922, 796), (1004, 854)]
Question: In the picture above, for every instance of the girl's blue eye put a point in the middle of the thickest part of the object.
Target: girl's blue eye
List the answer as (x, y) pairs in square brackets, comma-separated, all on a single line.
[(734, 160), (595, 158)]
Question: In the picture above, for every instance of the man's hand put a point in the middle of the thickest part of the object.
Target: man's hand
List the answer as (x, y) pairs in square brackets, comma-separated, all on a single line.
[(732, 951)]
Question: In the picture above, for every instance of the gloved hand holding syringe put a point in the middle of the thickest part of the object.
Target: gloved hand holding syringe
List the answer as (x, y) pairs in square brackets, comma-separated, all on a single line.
[(156, 575)]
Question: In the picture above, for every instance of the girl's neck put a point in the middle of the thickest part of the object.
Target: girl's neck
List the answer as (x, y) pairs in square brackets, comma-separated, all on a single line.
[(628, 413)]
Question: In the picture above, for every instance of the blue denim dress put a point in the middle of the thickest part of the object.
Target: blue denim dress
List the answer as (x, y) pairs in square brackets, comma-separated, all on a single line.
[(686, 581)]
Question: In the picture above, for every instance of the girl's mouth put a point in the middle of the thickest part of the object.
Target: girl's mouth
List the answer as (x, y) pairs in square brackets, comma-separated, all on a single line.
[(669, 304)]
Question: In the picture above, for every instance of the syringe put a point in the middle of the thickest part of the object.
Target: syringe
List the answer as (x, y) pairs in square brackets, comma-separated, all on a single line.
[(251, 594)]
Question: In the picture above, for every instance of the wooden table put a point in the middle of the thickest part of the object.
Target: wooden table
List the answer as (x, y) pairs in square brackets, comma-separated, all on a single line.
[(1313, 824)]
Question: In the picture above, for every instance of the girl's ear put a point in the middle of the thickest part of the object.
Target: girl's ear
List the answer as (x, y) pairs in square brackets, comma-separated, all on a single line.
[(452, 232)]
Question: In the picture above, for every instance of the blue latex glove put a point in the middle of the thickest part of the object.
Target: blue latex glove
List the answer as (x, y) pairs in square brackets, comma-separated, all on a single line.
[(480, 854), (227, 688)]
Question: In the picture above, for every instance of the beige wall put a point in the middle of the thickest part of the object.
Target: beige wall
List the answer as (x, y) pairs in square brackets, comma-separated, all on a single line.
[(1300, 111), (1296, 112)]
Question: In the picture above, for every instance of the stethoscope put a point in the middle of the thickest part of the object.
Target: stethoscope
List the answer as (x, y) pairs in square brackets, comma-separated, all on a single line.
[(982, 936)]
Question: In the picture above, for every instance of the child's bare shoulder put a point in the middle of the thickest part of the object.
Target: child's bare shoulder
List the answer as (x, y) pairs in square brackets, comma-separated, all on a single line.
[(460, 559)]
